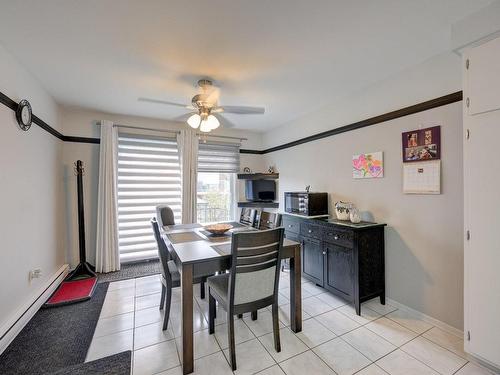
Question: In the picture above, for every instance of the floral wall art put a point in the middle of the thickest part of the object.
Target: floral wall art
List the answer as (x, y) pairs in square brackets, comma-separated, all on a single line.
[(369, 165)]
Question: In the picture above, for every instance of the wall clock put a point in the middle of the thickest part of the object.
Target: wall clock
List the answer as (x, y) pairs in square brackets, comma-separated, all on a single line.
[(24, 115)]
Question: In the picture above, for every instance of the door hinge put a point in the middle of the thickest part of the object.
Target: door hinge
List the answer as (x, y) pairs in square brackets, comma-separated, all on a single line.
[(467, 102), (467, 235), (467, 133), (468, 335), (467, 64)]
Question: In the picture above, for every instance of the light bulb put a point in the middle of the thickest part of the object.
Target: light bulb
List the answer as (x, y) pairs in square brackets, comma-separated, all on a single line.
[(194, 121), (205, 126), (213, 122)]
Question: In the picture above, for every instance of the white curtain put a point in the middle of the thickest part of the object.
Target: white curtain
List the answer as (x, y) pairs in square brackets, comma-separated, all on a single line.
[(107, 252), (188, 150)]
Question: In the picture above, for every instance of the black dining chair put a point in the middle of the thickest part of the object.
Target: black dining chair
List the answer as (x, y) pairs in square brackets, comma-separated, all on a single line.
[(247, 216), (251, 284), (165, 217), (170, 277), (269, 220)]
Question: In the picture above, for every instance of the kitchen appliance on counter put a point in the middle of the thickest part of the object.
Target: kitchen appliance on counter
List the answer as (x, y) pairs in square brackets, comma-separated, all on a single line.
[(306, 203)]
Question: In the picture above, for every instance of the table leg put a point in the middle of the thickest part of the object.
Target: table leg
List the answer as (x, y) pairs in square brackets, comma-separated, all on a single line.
[(295, 292), (187, 318)]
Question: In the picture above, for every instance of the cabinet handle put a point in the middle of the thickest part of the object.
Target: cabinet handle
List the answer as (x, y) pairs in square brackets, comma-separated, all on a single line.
[(289, 225), (324, 252), (336, 237), (310, 231)]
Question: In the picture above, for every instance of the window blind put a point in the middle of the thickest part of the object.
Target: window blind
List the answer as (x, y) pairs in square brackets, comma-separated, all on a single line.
[(148, 174), (218, 157)]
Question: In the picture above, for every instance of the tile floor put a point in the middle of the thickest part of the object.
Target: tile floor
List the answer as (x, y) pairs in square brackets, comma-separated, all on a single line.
[(334, 340)]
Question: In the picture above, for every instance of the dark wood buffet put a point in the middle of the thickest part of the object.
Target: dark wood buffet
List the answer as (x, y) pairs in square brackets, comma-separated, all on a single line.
[(344, 258)]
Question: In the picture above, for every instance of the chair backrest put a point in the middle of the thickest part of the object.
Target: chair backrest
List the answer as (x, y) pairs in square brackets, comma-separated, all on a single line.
[(255, 267), (269, 220), (162, 250), (164, 215), (247, 216)]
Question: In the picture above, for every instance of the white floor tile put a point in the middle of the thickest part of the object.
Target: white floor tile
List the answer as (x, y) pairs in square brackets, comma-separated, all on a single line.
[(284, 314), (314, 306), (111, 344), (473, 369), (434, 356), (286, 293), (375, 305), (251, 357), (263, 325), (409, 320), (148, 288), (204, 344), (148, 316), (341, 357), (115, 285), (147, 279), (393, 332), (213, 364), (116, 307), (120, 293), (400, 363), (367, 315), (241, 333), (314, 333), (306, 363), (373, 369), (145, 302), (337, 322), (368, 343), (446, 340), (290, 345), (273, 370), (118, 323), (312, 289), (155, 358), (151, 334), (331, 299)]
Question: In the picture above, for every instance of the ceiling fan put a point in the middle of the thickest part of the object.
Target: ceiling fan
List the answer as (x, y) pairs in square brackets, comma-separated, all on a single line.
[(205, 105)]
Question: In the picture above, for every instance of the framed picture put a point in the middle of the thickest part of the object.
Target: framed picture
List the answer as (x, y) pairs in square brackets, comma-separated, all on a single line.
[(370, 165), (422, 144)]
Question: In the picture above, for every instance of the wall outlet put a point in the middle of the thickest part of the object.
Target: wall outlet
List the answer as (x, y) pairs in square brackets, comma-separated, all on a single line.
[(35, 274)]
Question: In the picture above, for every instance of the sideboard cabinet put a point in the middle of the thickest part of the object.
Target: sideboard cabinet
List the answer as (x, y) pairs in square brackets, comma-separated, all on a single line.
[(344, 258)]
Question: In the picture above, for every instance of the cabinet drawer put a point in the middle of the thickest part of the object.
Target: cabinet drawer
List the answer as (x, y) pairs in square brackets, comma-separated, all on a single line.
[(291, 225), (338, 237), (310, 230)]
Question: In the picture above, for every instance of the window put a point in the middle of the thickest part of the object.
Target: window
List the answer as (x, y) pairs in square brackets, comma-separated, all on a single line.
[(148, 174), (218, 164)]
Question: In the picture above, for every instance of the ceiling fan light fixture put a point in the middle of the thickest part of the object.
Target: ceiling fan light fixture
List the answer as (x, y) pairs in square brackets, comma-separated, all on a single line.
[(194, 121), (213, 122), (205, 126)]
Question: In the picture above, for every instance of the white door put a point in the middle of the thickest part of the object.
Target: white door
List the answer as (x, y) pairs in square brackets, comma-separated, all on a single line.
[(482, 202)]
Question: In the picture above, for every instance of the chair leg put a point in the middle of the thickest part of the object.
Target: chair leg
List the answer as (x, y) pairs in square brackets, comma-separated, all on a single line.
[(162, 298), (211, 313), (230, 340), (254, 315), (167, 308), (202, 288), (276, 328)]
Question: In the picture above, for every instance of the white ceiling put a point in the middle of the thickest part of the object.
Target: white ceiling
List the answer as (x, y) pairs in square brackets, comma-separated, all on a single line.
[(291, 57)]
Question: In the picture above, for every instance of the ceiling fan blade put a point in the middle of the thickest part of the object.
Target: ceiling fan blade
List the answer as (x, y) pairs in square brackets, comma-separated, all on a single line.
[(241, 110), (157, 101), (224, 122)]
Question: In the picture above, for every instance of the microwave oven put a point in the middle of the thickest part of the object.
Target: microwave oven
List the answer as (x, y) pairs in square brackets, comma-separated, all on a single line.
[(307, 204)]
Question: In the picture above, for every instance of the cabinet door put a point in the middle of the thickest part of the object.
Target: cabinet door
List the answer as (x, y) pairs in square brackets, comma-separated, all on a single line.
[(339, 268), (312, 260)]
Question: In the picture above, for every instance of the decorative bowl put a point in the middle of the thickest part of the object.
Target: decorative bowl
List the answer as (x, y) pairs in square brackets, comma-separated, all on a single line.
[(342, 209), (218, 228)]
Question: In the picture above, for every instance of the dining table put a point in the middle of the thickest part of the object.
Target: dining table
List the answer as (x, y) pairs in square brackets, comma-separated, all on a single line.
[(198, 253)]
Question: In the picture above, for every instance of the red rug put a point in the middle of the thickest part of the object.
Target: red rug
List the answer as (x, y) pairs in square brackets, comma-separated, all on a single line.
[(72, 291)]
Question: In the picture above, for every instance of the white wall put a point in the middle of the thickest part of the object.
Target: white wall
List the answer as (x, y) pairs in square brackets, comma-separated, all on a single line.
[(81, 122), (30, 194), (424, 236)]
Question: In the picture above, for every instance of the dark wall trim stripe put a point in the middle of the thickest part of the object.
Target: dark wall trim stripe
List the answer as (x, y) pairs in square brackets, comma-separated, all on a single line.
[(420, 107)]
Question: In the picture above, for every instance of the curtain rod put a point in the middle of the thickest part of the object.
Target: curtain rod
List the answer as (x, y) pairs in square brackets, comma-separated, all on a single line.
[(220, 136), (142, 128)]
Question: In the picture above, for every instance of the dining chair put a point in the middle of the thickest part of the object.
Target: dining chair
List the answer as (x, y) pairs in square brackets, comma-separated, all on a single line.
[(247, 216), (269, 220), (251, 284), (170, 277), (165, 217)]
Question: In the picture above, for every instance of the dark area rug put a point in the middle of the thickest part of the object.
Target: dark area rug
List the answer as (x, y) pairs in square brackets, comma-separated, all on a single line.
[(117, 364), (54, 338), (132, 271)]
